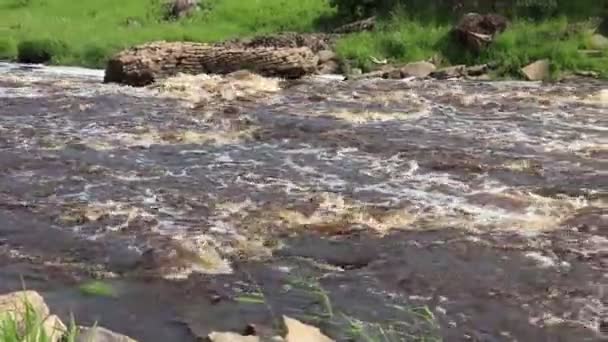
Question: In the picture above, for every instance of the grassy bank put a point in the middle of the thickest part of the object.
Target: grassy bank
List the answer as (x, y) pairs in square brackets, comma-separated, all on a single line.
[(559, 40), (88, 32)]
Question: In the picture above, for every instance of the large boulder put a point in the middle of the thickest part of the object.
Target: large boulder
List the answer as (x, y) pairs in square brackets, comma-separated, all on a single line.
[(477, 31), (144, 64)]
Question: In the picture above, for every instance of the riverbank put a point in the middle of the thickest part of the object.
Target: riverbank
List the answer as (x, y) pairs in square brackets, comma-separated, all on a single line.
[(87, 34)]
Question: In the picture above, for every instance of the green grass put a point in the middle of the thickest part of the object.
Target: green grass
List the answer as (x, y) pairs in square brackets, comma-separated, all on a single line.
[(402, 40), (88, 32), (94, 30), (29, 328), (398, 41), (98, 289)]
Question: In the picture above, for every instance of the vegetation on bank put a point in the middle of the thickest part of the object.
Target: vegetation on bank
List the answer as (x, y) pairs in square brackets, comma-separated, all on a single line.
[(88, 32), (523, 43)]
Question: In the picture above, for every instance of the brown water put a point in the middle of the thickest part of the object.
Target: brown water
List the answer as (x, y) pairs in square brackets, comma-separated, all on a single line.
[(343, 203)]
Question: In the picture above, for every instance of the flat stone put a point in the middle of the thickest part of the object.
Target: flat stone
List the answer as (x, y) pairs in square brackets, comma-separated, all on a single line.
[(417, 69), (300, 332), (99, 334), (537, 71)]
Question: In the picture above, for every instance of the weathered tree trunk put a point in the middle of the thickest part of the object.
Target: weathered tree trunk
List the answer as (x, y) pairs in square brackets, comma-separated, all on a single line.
[(144, 64)]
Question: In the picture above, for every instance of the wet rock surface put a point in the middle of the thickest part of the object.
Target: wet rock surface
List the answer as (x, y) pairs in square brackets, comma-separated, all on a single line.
[(467, 210)]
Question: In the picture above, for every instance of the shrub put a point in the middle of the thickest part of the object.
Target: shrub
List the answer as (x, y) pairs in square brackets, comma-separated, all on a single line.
[(40, 51)]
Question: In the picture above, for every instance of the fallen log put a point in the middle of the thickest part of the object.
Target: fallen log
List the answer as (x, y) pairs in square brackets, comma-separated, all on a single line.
[(142, 65)]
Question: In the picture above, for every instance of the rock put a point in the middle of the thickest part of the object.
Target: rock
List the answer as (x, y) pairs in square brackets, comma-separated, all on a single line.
[(449, 72), (231, 337), (144, 64), (99, 334), (476, 31), (477, 70), (537, 71), (15, 304), (393, 74), (181, 8), (598, 42), (417, 69), (600, 97), (177, 259), (326, 56), (356, 72), (368, 24), (300, 332), (330, 67)]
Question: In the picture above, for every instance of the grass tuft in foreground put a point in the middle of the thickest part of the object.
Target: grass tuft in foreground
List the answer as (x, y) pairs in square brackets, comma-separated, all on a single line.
[(31, 327)]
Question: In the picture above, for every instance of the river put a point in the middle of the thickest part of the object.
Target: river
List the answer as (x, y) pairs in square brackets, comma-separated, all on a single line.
[(454, 210)]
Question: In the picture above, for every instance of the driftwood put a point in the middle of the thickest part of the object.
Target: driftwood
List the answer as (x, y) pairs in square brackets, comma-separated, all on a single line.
[(142, 65)]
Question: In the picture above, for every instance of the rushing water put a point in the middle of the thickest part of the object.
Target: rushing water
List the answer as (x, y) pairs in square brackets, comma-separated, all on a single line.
[(483, 202)]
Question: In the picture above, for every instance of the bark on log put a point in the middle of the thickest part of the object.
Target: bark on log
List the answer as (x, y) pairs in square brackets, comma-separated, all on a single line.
[(144, 64)]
